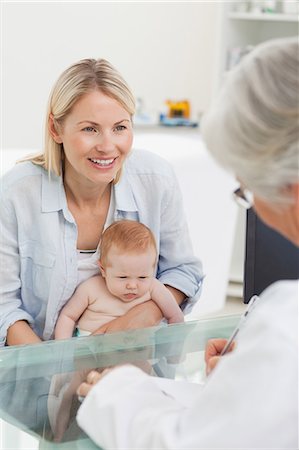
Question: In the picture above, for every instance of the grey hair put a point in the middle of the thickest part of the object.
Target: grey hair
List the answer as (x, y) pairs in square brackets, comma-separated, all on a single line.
[(253, 128)]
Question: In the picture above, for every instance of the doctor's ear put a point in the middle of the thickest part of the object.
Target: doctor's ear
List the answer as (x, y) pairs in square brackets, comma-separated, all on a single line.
[(102, 270), (53, 129)]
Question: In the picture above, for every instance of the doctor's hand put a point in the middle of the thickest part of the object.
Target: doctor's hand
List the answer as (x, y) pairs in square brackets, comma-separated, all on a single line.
[(213, 351), (144, 315), (92, 378)]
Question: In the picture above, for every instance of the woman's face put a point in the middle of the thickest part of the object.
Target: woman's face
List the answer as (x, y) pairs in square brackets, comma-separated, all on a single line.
[(97, 136)]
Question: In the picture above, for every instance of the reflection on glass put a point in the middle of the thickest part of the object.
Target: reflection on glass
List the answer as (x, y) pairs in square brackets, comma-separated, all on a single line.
[(38, 382)]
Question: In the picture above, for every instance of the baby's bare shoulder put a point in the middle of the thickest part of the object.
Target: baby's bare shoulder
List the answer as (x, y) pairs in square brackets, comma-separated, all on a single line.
[(96, 286), (95, 282)]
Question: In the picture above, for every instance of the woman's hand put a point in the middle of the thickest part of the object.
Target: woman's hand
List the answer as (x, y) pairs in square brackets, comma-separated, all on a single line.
[(144, 315), (213, 351)]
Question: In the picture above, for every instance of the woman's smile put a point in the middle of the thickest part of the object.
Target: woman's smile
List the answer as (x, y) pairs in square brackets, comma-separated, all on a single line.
[(97, 137), (103, 164)]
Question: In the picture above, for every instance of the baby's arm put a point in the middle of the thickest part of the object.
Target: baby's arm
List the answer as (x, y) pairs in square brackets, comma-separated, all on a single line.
[(166, 302), (71, 312)]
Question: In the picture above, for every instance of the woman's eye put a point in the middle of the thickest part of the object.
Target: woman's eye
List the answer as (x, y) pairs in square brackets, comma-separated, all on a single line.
[(90, 129), (142, 278), (120, 128), (122, 278)]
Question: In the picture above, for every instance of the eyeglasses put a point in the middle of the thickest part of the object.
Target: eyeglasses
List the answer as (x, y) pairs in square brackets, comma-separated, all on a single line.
[(243, 197)]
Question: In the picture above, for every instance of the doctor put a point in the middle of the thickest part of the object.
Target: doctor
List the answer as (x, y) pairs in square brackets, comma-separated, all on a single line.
[(250, 399)]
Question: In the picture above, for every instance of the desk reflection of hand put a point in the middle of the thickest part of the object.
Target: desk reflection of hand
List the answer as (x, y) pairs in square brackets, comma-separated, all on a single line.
[(66, 386), (213, 351), (144, 315)]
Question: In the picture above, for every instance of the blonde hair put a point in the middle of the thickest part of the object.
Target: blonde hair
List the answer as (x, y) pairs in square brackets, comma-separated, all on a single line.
[(253, 128), (126, 236), (79, 79)]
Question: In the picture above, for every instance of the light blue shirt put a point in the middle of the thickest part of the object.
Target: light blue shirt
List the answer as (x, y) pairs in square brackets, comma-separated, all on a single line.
[(38, 238)]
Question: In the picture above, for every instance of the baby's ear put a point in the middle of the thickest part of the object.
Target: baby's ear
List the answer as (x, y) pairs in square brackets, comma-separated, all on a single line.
[(102, 270)]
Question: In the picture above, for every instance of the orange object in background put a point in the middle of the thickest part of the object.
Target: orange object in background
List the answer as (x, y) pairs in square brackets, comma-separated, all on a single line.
[(178, 109)]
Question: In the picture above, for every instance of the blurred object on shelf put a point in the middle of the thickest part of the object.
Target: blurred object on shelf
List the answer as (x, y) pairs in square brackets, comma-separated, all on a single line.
[(139, 106), (241, 6), (177, 122), (141, 117), (176, 113), (290, 7), (235, 55), (265, 6), (178, 109), (269, 6), (256, 6)]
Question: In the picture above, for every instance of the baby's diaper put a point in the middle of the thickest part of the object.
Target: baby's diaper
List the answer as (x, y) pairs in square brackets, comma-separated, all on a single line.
[(79, 332)]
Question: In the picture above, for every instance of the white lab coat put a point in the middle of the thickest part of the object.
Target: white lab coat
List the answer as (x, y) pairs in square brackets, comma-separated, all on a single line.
[(250, 401)]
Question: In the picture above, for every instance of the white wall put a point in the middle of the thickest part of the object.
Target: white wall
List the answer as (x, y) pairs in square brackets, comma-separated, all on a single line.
[(164, 50)]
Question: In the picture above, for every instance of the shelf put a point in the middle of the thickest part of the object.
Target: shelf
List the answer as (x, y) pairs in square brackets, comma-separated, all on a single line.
[(266, 17), (157, 127)]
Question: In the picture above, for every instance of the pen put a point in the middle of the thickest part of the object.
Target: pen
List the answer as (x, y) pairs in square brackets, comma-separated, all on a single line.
[(250, 306)]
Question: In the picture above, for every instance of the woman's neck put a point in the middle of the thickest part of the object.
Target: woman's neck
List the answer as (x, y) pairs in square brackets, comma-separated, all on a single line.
[(83, 195)]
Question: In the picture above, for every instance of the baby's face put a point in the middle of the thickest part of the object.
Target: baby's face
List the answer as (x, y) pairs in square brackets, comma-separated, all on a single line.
[(129, 275)]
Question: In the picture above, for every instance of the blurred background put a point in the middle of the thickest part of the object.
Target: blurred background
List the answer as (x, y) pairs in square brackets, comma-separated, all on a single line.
[(163, 49)]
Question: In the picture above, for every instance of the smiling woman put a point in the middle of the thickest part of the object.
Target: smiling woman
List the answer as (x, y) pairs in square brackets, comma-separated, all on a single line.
[(54, 207), (97, 137)]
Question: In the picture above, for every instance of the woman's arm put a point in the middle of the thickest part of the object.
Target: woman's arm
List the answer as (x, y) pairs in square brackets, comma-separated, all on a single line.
[(144, 315), (20, 333), (14, 321), (178, 295)]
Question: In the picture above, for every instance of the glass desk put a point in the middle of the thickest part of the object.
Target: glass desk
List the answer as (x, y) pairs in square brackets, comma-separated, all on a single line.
[(38, 382)]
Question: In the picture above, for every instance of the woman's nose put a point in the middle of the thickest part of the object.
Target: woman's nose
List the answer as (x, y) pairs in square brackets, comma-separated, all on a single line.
[(104, 143)]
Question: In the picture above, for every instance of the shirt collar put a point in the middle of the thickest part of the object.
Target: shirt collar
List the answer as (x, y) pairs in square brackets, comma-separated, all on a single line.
[(53, 195), (51, 192), (124, 197), (54, 199)]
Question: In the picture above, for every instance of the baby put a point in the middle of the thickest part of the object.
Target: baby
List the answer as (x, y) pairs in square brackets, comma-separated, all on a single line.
[(128, 258)]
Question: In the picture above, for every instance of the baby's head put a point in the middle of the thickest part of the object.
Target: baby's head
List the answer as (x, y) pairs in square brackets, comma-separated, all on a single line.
[(128, 259)]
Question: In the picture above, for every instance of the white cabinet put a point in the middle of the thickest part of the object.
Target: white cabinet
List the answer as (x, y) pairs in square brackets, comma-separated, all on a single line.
[(243, 30), (243, 26)]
